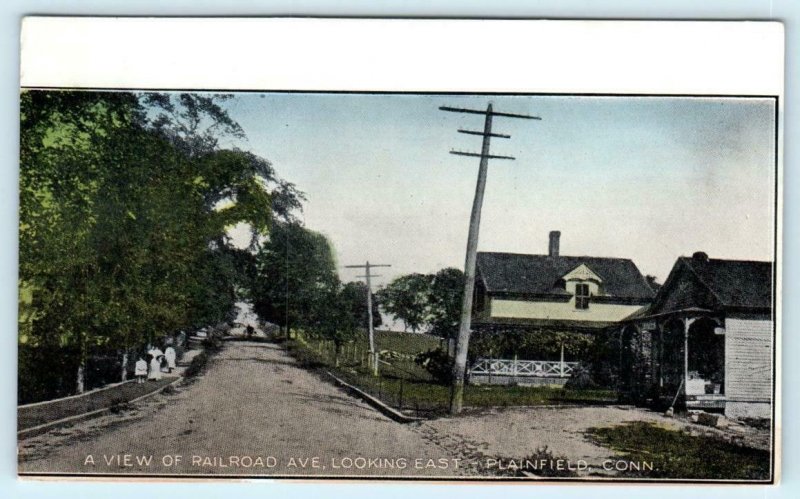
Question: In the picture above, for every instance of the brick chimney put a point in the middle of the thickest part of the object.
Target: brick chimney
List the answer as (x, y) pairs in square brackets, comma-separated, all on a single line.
[(555, 237)]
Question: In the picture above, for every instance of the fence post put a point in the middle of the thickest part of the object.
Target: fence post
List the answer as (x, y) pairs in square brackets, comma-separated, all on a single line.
[(401, 395)]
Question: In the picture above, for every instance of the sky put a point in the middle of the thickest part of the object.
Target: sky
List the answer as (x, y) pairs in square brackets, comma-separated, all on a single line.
[(645, 178)]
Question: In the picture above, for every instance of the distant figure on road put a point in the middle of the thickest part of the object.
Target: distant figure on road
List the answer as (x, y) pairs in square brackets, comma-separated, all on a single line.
[(169, 354), (249, 331), (155, 369), (140, 370)]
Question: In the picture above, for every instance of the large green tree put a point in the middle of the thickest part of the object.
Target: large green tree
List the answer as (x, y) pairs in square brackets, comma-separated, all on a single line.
[(296, 274), (406, 298), (125, 200), (445, 298)]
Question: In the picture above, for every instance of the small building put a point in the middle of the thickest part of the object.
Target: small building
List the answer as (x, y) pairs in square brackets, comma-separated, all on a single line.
[(707, 339), (548, 296)]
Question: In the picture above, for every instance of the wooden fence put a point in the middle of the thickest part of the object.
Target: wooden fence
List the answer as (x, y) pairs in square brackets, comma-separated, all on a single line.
[(523, 368)]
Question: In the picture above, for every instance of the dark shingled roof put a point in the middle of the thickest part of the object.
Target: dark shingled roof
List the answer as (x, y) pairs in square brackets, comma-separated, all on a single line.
[(735, 283), (541, 274)]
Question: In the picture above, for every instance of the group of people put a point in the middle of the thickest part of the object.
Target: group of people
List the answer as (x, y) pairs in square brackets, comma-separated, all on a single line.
[(160, 362)]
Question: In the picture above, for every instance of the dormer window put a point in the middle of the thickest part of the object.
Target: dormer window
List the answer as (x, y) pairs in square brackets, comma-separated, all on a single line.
[(582, 295)]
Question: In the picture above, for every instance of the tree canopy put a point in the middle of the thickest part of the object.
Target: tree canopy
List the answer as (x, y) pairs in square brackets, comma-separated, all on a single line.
[(125, 202), (431, 301)]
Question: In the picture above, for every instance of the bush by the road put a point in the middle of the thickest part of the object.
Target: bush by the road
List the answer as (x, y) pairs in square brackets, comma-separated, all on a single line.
[(197, 366), (437, 363)]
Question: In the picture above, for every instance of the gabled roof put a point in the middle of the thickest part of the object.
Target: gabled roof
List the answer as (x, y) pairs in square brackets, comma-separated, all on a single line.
[(541, 274), (734, 283)]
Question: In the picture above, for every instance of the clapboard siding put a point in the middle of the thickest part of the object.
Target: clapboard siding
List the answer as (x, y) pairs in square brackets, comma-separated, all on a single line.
[(748, 365)]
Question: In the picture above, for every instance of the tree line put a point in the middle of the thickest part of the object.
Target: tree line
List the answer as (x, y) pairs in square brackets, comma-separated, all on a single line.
[(296, 286), (126, 201)]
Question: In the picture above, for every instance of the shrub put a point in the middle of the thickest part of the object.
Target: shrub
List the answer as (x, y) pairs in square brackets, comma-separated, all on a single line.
[(437, 363), (581, 378), (212, 344), (197, 365)]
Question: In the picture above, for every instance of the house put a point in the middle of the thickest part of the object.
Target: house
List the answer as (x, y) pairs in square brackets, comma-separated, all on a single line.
[(547, 296), (707, 338)]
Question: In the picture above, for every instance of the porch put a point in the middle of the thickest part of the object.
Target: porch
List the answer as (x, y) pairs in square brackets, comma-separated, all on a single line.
[(686, 358), (520, 372)]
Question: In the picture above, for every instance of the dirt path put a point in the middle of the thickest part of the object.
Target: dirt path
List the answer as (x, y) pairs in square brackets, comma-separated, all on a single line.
[(517, 433), (254, 412)]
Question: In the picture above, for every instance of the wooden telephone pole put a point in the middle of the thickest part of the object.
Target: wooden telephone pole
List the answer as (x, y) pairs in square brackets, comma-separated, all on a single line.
[(462, 342), (373, 354)]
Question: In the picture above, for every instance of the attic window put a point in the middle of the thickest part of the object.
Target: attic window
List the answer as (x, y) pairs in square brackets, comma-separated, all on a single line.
[(582, 296)]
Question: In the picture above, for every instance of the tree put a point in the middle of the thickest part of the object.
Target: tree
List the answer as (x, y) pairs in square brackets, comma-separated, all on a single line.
[(125, 200), (296, 272), (444, 302), (354, 295), (407, 299)]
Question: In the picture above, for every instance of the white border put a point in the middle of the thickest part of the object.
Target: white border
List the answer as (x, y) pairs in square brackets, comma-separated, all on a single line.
[(293, 54), (660, 57)]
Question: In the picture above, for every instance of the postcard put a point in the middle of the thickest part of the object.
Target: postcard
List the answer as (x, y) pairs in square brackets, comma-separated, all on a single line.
[(384, 249)]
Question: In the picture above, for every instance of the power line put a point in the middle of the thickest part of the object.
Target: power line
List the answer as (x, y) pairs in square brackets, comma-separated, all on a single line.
[(373, 356), (462, 342)]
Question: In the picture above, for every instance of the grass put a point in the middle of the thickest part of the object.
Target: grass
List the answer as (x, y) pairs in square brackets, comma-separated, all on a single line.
[(676, 454), (114, 397), (407, 386), (408, 343)]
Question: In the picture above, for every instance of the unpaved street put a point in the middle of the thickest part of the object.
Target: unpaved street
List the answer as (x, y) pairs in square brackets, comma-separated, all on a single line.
[(253, 406), (255, 412)]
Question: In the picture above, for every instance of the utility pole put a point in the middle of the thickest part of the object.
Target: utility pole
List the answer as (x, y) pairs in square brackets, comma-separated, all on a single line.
[(373, 354), (462, 342)]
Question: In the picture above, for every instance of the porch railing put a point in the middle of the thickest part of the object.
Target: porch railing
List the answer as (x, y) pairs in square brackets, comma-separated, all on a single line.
[(532, 368)]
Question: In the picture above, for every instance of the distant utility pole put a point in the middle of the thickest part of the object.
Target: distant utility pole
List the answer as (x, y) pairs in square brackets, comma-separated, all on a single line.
[(462, 342), (373, 355)]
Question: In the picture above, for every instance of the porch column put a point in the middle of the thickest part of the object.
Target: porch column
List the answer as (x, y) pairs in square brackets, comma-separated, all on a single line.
[(687, 322), (659, 361)]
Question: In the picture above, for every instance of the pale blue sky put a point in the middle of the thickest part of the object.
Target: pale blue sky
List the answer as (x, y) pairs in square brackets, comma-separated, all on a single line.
[(644, 178)]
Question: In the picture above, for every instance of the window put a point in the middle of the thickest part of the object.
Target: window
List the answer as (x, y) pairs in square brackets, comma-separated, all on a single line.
[(582, 296)]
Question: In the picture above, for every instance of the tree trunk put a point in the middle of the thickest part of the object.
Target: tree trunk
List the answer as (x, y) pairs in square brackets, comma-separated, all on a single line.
[(336, 351), (124, 371), (80, 379)]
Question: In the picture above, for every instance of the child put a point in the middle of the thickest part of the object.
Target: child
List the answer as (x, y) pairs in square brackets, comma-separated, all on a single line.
[(140, 370)]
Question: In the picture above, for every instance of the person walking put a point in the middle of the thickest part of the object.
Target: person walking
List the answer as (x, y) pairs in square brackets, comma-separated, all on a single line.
[(140, 370), (169, 354), (155, 369)]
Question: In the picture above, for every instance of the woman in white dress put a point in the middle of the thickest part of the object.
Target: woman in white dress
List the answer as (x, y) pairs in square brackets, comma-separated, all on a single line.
[(169, 354), (155, 369)]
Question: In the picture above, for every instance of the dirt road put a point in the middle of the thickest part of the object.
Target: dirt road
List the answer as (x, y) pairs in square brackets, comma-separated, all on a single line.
[(256, 413), (253, 413)]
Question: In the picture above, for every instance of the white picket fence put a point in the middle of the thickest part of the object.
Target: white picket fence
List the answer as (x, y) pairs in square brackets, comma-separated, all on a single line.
[(514, 367)]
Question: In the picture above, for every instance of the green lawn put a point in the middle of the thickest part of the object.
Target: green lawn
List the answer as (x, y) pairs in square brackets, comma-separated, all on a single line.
[(676, 454), (409, 387), (411, 343)]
